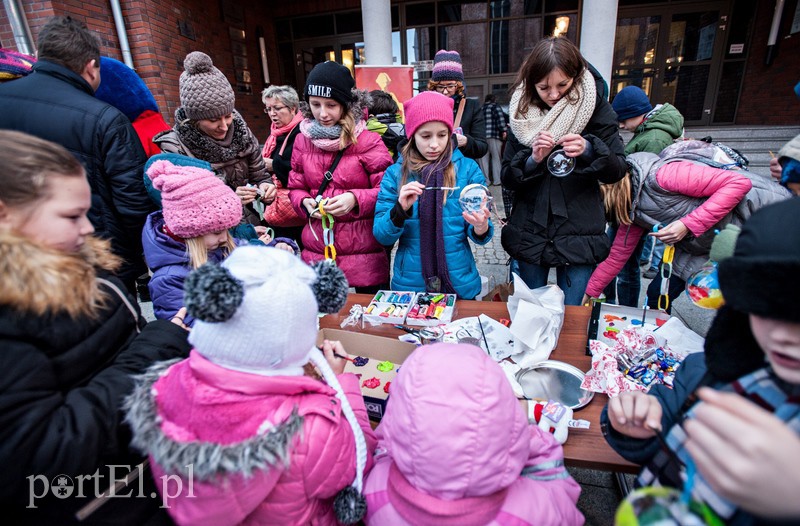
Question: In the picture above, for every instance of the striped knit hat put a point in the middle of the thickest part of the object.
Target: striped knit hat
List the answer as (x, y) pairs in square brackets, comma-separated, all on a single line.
[(447, 66)]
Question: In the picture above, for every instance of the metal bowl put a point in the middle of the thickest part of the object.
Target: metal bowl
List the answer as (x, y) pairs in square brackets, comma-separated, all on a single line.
[(554, 380)]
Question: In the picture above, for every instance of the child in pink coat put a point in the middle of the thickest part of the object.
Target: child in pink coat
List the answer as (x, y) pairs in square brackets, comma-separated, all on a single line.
[(455, 447), (238, 433)]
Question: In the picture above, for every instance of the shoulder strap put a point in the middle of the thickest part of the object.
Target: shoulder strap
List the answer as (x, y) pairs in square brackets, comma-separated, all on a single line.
[(328, 177), (460, 113)]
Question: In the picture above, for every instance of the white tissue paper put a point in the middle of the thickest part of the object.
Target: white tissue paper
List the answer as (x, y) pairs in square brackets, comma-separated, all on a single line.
[(536, 319), (682, 340), (496, 339)]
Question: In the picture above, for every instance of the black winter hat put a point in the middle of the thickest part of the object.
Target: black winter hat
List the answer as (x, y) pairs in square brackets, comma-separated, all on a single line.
[(332, 81), (763, 275)]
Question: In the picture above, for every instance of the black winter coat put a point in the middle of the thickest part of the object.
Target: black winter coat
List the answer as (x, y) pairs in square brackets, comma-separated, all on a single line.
[(63, 380), (561, 220), (58, 105), (473, 124), (282, 164)]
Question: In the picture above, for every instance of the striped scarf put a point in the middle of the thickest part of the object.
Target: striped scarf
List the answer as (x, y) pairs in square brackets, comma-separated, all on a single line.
[(763, 388)]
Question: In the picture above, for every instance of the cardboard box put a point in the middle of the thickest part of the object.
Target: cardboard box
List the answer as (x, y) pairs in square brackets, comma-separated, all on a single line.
[(445, 314), (396, 301), (377, 349)]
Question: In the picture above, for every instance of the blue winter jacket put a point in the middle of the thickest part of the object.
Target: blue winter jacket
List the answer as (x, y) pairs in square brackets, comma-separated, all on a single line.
[(407, 274), (168, 260)]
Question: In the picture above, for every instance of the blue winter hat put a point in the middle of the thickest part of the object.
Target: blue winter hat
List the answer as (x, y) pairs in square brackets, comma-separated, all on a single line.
[(121, 87), (631, 102)]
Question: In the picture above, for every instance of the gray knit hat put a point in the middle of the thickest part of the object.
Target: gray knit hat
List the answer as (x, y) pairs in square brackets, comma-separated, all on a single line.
[(205, 91)]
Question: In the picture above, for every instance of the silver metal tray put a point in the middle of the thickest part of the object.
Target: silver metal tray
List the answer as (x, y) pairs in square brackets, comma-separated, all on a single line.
[(554, 380)]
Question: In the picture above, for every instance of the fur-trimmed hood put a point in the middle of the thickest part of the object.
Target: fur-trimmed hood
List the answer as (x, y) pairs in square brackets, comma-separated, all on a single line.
[(208, 459), (35, 279), (357, 108)]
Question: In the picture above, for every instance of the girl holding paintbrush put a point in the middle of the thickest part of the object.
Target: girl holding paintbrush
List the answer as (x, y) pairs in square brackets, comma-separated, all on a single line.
[(418, 205)]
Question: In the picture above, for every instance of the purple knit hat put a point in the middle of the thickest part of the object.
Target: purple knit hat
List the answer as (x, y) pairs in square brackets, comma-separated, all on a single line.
[(447, 66), (195, 202), (426, 107)]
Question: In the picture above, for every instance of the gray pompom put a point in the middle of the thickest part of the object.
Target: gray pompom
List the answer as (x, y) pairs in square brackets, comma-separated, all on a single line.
[(197, 62), (349, 505), (212, 294), (330, 288)]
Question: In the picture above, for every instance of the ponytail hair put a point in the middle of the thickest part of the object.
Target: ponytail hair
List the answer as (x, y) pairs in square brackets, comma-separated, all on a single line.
[(617, 200)]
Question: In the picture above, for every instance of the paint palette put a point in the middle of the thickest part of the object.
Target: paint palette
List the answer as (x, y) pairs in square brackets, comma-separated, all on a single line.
[(375, 377), (608, 320)]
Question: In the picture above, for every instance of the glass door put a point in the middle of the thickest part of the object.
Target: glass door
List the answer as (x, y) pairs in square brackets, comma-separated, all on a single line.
[(309, 53), (674, 57)]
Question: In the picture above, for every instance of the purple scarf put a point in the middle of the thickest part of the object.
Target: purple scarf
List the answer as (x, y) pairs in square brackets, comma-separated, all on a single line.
[(431, 225)]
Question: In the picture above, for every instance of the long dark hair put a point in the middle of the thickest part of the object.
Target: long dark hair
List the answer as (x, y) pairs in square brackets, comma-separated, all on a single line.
[(547, 55)]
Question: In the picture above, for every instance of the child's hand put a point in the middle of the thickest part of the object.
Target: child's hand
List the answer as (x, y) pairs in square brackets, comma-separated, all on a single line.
[(573, 144), (247, 194), (409, 193), (179, 317), (265, 238), (340, 205), (672, 233), (332, 348), (746, 454), (479, 220), (311, 207), (284, 246), (775, 169), (270, 192), (635, 414), (542, 144)]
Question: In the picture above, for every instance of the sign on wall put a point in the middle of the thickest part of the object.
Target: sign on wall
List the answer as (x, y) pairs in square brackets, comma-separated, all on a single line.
[(395, 80)]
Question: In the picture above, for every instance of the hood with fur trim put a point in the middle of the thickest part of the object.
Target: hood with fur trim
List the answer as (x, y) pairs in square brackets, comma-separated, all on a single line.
[(35, 279), (357, 108)]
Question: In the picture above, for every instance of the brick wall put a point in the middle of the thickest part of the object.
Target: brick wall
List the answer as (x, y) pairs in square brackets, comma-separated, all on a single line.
[(767, 95)]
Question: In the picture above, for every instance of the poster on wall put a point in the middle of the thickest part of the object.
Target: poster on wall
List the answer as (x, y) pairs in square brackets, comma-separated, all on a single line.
[(395, 80)]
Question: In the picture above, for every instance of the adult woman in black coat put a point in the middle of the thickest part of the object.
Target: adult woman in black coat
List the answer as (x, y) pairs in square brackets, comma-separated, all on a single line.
[(559, 221), (71, 339)]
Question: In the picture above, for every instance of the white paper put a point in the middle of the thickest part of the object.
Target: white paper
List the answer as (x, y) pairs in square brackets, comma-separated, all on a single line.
[(681, 339), (536, 319), (498, 337)]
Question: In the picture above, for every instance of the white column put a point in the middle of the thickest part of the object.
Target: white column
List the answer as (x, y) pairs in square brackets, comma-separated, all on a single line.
[(598, 29), (376, 16)]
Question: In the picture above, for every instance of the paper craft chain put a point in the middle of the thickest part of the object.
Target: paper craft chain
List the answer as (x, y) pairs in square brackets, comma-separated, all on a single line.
[(327, 231), (666, 273)]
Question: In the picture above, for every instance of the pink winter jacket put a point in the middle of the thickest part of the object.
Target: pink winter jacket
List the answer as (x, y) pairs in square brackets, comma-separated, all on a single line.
[(455, 448), (724, 189), (231, 425), (358, 253)]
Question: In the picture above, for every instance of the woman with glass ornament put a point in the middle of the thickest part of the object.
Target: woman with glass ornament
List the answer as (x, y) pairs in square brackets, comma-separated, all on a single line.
[(419, 205), (564, 140), (681, 201)]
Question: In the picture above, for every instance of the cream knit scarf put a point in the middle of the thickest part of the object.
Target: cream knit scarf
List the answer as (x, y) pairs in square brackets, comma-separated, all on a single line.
[(563, 118)]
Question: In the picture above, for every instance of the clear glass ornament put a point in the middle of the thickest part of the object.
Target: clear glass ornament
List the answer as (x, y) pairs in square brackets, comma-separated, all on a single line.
[(559, 164)]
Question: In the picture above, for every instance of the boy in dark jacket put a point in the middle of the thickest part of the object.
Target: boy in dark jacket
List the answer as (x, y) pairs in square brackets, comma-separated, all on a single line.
[(385, 120), (744, 434)]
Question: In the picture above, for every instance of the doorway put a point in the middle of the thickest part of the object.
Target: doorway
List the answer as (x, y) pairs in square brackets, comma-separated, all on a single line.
[(309, 53), (674, 56)]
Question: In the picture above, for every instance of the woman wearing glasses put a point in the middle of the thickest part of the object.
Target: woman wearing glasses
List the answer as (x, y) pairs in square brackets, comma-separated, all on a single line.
[(282, 105), (208, 128), (448, 79)]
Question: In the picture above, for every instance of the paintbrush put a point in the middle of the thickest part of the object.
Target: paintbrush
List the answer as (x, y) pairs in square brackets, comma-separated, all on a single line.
[(485, 342)]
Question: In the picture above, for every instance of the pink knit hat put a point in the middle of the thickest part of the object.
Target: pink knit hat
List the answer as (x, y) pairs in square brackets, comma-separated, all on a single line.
[(426, 107), (195, 202)]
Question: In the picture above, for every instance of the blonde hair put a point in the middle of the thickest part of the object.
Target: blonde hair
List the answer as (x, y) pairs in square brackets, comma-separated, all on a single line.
[(414, 161), (617, 200), (348, 124), (198, 253)]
